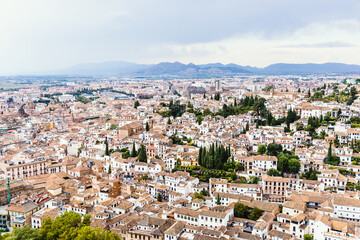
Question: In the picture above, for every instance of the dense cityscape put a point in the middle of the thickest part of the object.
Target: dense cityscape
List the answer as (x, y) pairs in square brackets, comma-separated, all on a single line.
[(244, 157)]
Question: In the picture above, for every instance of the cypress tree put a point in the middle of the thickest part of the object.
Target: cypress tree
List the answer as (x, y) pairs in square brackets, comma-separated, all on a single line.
[(203, 157), (223, 154), (251, 102), (246, 101), (209, 161), (107, 153), (159, 197), (217, 159), (199, 157), (329, 155), (229, 152), (136, 104), (133, 151), (218, 199), (142, 154)]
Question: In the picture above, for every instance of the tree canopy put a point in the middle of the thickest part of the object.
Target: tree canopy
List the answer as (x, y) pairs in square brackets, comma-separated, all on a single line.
[(261, 149), (288, 163), (215, 158), (273, 172), (142, 154), (242, 211), (274, 149), (136, 104), (68, 226)]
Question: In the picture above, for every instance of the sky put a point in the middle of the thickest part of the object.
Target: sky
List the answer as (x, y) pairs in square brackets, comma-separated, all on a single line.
[(47, 35)]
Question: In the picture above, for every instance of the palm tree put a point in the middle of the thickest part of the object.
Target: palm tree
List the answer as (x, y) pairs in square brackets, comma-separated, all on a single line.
[(269, 88)]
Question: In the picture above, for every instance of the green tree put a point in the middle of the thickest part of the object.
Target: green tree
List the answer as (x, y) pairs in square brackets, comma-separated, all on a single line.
[(329, 154), (23, 233), (239, 167), (125, 154), (147, 128), (269, 89), (133, 150), (233, 176), (255, 213), (10, 100), (261, 149), (218, 202), (274, 149), (142, 154), (308, 237), (259, 108), (159, 197), (66, 224), (273, 172), (310, 175), (86, 220), (113, 126), (136, 104), (189, 105), (294, 165), (322, 134), (336, 141), (241, 210), (353, 92), (254, 180), (335, 160), (288, 163), (107, 153), (332, 159), (283, 162), (176, 109), (199, 195)]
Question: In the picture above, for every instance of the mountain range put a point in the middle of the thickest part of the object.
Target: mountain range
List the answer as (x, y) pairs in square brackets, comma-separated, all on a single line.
[(206, 70)]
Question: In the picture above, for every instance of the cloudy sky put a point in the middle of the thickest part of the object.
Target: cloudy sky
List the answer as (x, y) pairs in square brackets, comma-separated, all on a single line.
[(43, 35)]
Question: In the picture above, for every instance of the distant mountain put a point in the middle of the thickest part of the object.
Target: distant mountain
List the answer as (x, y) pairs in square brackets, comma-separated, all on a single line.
[(105, 68), (180, 69), (228, 67), (205, 70), (170, 69)]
